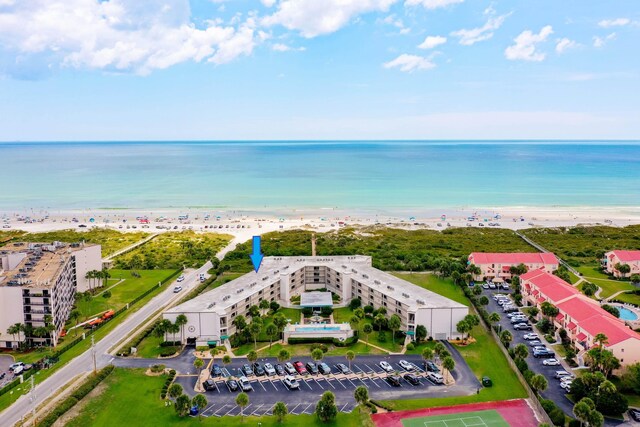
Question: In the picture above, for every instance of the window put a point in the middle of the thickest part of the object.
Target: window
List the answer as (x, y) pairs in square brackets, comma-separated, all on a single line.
[(338, 286)]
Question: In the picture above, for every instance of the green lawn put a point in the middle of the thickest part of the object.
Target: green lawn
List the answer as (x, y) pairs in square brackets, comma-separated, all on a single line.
[(592, 271), (485, 358), (123, 293), (629, 298), (132, 398), (610, 287), (444, 287), (174, 250), (9, 398), (110, 240)]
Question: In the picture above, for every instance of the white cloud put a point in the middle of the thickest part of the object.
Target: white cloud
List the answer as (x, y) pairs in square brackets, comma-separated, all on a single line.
[(313, 18), (281, 47), (618, 22), (119, 35), (475, 35), (601, 41), (268, 3), (409, 63), (525, 47), (432, 41), (565, 44), (432, 4), (396, 22)]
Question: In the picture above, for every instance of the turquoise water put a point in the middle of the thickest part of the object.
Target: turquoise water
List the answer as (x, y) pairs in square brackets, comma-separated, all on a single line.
[(626, 314), (321, 174), (316, 328)]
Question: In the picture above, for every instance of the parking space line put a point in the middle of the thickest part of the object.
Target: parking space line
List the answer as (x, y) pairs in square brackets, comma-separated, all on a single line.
[(270, 410), (307, 383), (305, 409), (232, 408), (371, 370), (293, 411), (345, 405), (348, 379), (215, 414), (320, 385), (362, 381), (262, 385), (329, 381), (343, 386), (359, 368), (244, 411), (274, 385), (259, 406), (374, 382)]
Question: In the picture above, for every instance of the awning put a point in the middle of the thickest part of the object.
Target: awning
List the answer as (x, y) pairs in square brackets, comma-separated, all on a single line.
[(506, 268), (212, 342), (581, 337), (571, 326), (224, 337), (559, 317), (541, 299), (316, 299), (535, 293)]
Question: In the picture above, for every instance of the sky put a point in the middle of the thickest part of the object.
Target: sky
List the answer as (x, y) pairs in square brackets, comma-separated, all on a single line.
[(76, 70)]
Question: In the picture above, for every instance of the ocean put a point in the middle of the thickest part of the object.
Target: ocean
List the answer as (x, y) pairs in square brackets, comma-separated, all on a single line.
[(273, 175)]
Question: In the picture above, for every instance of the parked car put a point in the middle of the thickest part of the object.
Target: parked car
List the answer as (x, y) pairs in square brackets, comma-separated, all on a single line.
[(194, 411), (324, 368), (551, 362), (394, 380), (269, 369), (634, 414), (522, 327), (485, 286), (312, 368), (18, 370), (412, 379), (565, 384), (232, 385), (177, 289), (16, 365), (245, 385), (215, 370), (299, 367), (535, 343), (280, 369), (258, 369), (180, 279), (386, 366), (246, 369), (560, 374), (530, 336), (429, 366), (435, 377), (406, 365), (519, 319), (289, 369), (342, 368), (544, 353), (209, 385), (291, 383)]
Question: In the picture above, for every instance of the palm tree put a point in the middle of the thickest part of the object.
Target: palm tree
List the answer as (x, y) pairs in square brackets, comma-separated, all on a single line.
[(162, 328), (75, 316), (354, 321), (361, 394), (271, 331), (350, 355), (366, 330), (174, 390), (105, 276), (280, 411), (173, 330), (198, 363), (538, 383), (280, 321), (50, 327), (201, 402), (601, 339), (283, 355), (181, 321), (494, 318), (582, 409), (427, 354), (317, 355), (438, 348), (394, 324), (252, 356), (506, 338), (448, 364), (90, 276), (254, 329), (521, 351), (264, 305), (242, 400)]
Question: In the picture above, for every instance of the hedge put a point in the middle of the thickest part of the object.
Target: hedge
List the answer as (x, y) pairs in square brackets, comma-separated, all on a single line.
[(167, 383), (75, 397), (327, 340), (382, 405)]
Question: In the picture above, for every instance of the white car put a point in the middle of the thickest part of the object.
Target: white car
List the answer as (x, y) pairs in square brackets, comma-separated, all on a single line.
[(485, 286), (406, 365), (386, 366), (180, 279), (551, 362), (245, 384), (269, 369), (435, 377), (291, 383), (565, 384), (530, 336), (177, 289)]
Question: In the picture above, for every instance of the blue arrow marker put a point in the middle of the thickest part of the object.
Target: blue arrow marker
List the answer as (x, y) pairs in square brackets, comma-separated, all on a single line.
[(256, 256)]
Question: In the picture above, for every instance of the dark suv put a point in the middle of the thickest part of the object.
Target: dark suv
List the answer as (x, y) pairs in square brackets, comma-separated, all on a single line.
[(258, 369), (246, 369), (312, 368)]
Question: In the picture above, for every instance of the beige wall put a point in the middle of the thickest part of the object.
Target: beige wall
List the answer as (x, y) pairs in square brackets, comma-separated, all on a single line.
[(87, 259), (10, 311), (628, 352)]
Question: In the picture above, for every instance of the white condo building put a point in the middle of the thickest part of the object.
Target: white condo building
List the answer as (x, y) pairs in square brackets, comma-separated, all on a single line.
[(40, 279), (211, 314)]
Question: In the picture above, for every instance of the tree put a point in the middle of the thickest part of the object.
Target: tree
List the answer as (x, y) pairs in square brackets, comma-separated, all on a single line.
[(366, 330), (361, 394), (226, 359), (483, 300), (506, 338), (174, 390), (242, 400), (264, 305), (272, 332), (254, 329), (494, 317), (601, 339), (182, 405), (448, 364), (254, 311), (623, 269), (379, 321), (173, 330), (635, 278), (438, 348), (104, 276), (280, 411), (477, 290), (326, 409), (201, 402), (355, 303), (549, 310), (284, 355), (521, 351), (252, 356), (240, 322), (162, 328), (538, 383), (75, 316), (427, 354), (280, 321), (354, 321), (394, 324), (359, 313), (463, 327), (317, 355), (198, 363), (421, 333), (50, 328), (350, 355), (181, 321), (274, 306)]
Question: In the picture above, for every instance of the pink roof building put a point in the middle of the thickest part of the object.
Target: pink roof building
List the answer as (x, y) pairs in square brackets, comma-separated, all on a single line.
[(497, 265), (630, 258)]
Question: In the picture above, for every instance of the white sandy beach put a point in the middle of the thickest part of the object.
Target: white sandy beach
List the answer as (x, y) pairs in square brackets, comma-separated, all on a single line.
[(244, 223)]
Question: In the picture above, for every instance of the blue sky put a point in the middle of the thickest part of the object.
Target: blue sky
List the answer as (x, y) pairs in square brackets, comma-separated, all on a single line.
[(318, 69)]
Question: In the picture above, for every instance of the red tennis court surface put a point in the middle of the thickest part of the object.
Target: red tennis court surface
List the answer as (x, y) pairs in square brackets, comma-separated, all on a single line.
[(515, 412)]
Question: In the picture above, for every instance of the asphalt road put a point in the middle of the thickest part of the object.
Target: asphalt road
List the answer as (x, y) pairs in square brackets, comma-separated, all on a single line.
[(269, 390), (84, 362), (553, 392)]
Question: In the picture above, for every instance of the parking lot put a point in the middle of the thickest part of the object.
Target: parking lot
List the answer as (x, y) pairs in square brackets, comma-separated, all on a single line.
[(267, 390), (554, 392)]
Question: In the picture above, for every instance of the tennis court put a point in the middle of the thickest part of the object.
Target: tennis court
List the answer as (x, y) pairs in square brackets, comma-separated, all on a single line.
[(490, 418)]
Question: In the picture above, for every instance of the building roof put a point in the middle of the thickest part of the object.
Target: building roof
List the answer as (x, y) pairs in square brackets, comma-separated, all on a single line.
[(615, 330), (627, 256), (580, 309), (553, 287), (357, 267), (40, 263), (316, 299), (514, 258)]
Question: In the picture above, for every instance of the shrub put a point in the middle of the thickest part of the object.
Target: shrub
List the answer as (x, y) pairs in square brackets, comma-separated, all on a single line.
[(171, 344), (410, 346), (326, 311), (106, 294), (355, 303), (547, 405), (157, 368), (550, 338), (202, 348), (557, 417), (382, 405), (382, 336), (307, 311), (168, 351)]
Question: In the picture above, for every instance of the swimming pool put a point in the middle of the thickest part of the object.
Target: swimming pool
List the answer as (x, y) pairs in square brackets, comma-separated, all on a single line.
[(626, 314), (316, 328)]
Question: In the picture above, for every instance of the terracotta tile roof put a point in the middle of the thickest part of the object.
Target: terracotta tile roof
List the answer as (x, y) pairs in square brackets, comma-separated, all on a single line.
[(615, 330)]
